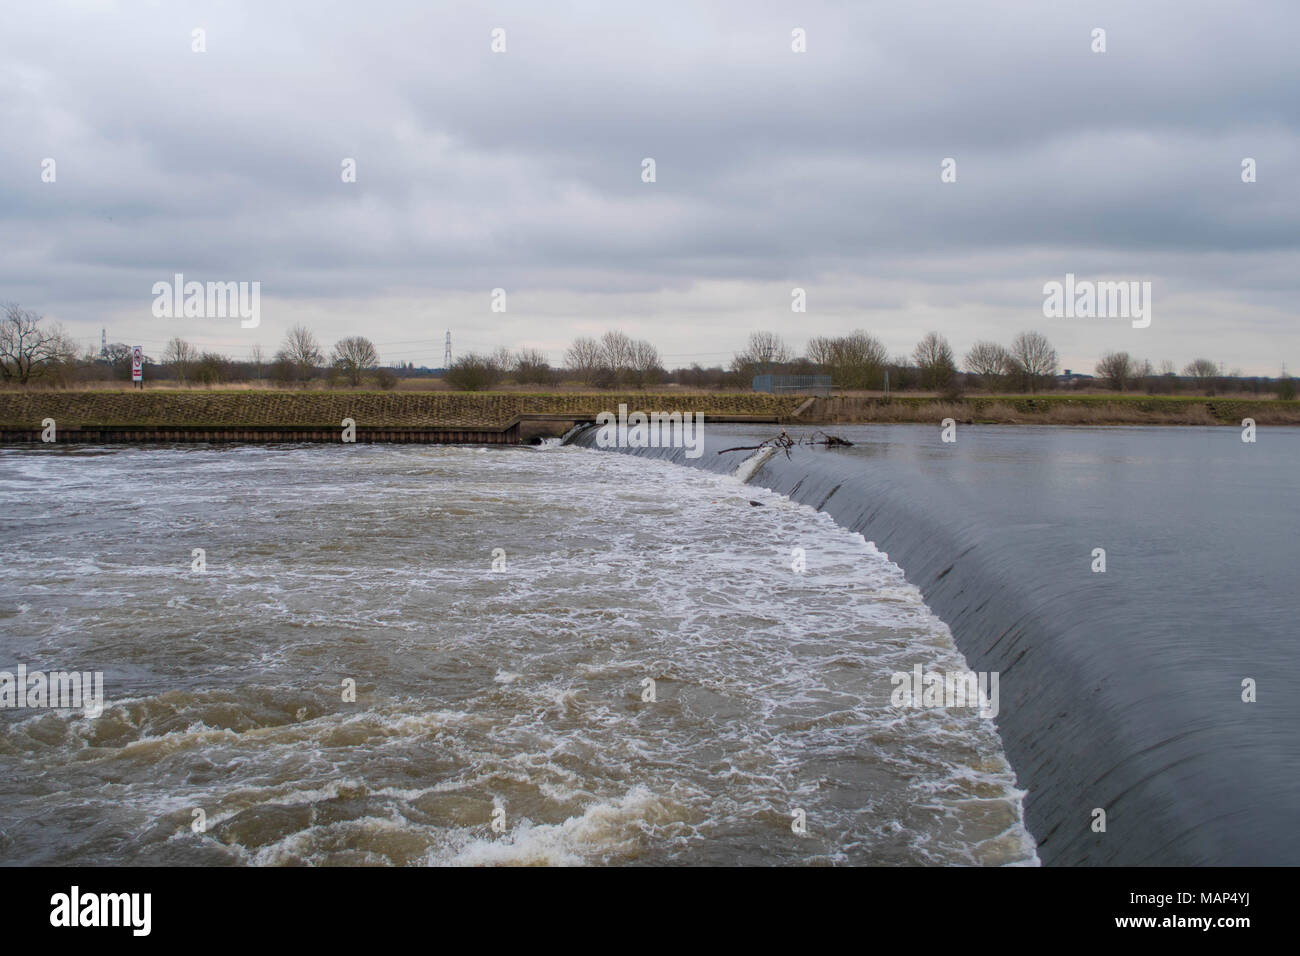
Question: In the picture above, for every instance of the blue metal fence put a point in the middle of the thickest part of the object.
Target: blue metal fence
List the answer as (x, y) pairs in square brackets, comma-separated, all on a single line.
[(793, 384)]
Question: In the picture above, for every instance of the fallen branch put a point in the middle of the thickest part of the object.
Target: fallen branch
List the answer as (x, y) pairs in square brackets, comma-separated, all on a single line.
[(784, 442)]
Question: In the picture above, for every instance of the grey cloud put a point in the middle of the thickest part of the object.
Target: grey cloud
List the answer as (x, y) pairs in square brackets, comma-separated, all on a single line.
[(522, 170)]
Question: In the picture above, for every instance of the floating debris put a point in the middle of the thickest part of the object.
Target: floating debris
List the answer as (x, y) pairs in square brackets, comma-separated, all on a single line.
[(785, 443)]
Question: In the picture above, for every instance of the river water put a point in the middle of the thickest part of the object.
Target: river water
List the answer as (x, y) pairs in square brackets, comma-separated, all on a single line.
[(1134, 588), (501, 614)]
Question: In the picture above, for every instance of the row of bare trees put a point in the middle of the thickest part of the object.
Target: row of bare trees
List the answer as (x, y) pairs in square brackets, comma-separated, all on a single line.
[(859, 360), (33, 350), (351, 361), (616, 359), (475, 371), (1029, 364), (1120, 371), (298, 361)]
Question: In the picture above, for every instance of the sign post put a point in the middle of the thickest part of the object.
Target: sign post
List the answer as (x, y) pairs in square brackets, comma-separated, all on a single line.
[(137, 365)]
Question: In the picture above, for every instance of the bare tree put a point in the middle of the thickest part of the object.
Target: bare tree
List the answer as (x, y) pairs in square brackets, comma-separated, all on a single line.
[(1117, 370), (181, 356), (933, 356), (212, 368), (1145, 375), (617, 350), (29, 350), (644, 366), (503, 360), (1032, 359), (990, 361), (584, 359), (531, 367), (255, 356), (473, 372), (353, 357), (300, 353), (764, 350), (118, 356), (820, 350), (856, 360), (1203, 371)]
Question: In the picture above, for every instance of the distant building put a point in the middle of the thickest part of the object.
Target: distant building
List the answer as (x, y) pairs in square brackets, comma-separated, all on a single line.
[(1069, 377)]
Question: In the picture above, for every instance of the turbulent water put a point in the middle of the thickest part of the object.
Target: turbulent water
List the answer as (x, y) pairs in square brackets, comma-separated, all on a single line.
[(490, 684), (1135, 590)]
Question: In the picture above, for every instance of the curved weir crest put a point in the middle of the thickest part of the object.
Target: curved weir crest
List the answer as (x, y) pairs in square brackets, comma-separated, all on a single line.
[(1120, 691)]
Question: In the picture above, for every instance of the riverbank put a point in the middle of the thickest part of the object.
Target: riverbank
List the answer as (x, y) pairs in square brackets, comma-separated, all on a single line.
[(271, 416), (513, 417), (1054, 410)]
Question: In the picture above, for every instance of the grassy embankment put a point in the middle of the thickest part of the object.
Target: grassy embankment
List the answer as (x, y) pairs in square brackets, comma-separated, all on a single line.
[(215, 408), (220, 407), (1091, 409)]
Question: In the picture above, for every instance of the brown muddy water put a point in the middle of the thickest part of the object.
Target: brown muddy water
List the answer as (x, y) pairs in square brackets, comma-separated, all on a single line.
[(502, 685)]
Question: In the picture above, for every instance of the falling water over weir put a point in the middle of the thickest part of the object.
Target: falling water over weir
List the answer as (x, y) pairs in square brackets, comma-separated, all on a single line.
[(1121, 690)]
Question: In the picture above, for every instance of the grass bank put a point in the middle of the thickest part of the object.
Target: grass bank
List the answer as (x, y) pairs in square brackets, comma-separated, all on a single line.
[(1056, 410), (199, 408)]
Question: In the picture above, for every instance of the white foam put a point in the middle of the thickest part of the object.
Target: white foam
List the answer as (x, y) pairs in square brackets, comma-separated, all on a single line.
[(745, 470), (604, 831)]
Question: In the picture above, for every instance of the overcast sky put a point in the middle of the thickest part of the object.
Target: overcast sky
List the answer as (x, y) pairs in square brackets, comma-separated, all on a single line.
[(523, 170)]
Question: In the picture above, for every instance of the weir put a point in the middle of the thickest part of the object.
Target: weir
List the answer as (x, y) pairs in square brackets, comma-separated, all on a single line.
[(1106, 702)]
